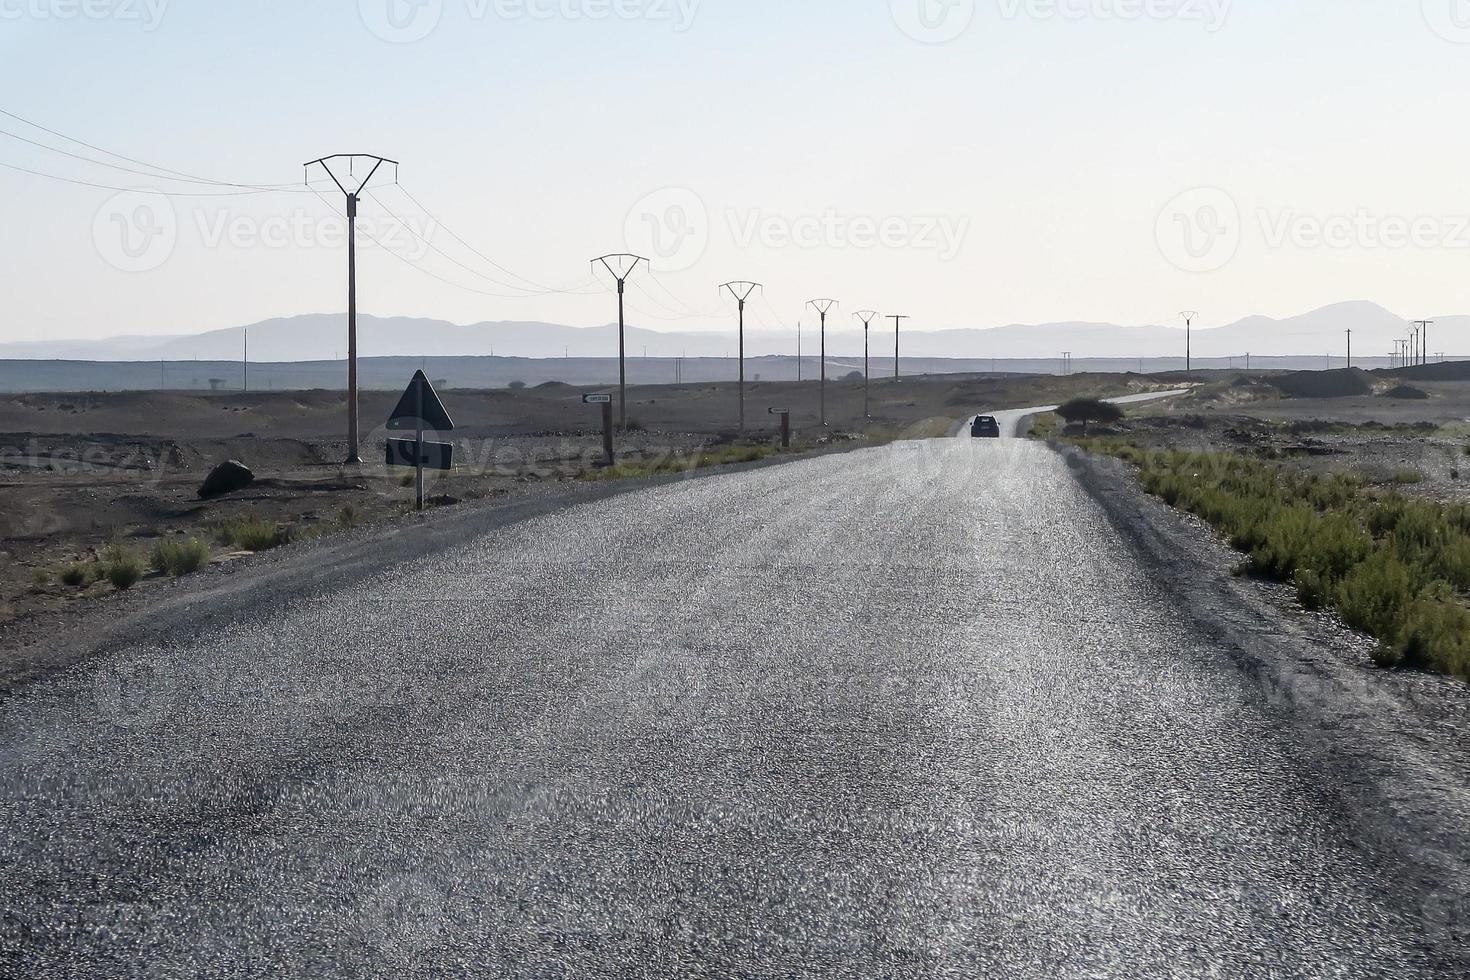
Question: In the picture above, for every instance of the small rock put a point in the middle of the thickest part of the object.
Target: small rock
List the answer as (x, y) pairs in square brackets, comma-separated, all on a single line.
[(226, 478)]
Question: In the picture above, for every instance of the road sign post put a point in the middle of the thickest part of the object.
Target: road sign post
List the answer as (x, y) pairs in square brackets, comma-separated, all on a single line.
[(420, 409), (609, 457), (785, 414)]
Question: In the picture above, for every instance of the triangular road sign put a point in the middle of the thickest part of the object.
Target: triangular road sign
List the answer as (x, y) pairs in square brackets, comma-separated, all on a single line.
[(408, 413)]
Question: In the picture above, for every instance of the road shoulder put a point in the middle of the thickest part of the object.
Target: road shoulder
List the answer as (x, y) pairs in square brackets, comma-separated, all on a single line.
[(1390, 747)]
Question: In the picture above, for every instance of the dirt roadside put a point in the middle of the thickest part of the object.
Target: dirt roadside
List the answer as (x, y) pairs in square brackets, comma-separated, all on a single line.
[(1391, 748), (59, 639)]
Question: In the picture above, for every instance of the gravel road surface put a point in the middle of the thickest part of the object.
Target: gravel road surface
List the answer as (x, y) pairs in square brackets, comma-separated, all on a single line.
[(915, 711)]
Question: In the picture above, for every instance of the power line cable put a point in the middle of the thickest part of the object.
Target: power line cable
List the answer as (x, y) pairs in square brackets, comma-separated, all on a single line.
[(141, 163), (283, 188), (523, 294), (414, 265), (577, 289), (138, 190)]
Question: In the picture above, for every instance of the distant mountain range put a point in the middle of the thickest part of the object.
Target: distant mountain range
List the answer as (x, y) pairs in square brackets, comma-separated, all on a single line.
[(322, 337)]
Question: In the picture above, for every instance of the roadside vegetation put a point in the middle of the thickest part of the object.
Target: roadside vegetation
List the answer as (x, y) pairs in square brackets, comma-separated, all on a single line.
[(1085, 411), (176, 557), (251, 533), (1393, 567), (671, 463)]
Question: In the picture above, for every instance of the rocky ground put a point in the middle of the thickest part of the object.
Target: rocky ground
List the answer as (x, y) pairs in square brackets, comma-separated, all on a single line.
[(1419, 446)]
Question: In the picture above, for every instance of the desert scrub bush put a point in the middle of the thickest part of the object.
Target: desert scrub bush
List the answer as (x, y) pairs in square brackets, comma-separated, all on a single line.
[(1407, 478), (1395, 568), (179, 556), (40, 578), (76, 574), (121, 567), (251, 534), (347, 517), (1085, 411)]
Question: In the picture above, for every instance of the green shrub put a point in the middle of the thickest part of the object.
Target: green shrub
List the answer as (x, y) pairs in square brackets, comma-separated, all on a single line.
[(77, 574), (251, 534), (179, 556), (1395, 568), (121, 567), (347, 516), (1086, 410), (1436, 636), (1408, 477), (40, 577)]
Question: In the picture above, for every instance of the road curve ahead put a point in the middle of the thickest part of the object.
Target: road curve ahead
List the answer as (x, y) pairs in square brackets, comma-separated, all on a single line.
[(911, 711)]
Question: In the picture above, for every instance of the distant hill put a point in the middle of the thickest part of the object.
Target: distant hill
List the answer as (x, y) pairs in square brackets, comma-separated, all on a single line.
[(321, 337)]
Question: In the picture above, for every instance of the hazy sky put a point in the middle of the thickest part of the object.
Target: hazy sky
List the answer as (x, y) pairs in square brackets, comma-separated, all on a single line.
[(968, 162)]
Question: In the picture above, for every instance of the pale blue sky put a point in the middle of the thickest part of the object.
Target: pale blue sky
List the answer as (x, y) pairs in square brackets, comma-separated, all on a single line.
[(1025, 169)]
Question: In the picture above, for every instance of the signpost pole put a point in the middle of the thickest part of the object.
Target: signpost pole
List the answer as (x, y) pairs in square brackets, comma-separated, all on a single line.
[(419, 452), (607, 433), (785, 414)]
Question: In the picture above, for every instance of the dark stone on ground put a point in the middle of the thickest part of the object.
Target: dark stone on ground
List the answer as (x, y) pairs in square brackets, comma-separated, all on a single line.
[(226, 478)]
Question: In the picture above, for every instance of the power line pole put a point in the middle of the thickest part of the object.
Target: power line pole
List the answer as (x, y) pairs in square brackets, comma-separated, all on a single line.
[(798, 351), (741, 290), (822, 306), (245, 361), (354, 457), (627, 264), (1350, 350), (1189, 317), (867, 317), (1424, 326), (896, 321)]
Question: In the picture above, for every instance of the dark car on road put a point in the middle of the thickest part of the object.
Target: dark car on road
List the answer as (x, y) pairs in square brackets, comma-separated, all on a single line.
[(985, 427)]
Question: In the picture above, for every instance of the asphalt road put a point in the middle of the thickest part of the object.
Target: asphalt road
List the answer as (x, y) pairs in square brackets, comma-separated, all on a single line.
[(912, 711)]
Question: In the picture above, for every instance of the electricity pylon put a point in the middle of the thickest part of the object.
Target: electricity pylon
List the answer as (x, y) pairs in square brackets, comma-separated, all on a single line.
[(1423, 326), (822, 306), (741, 290), (867, 317), (626, 265), (897, 319), (1189, 317), (354, 457)]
